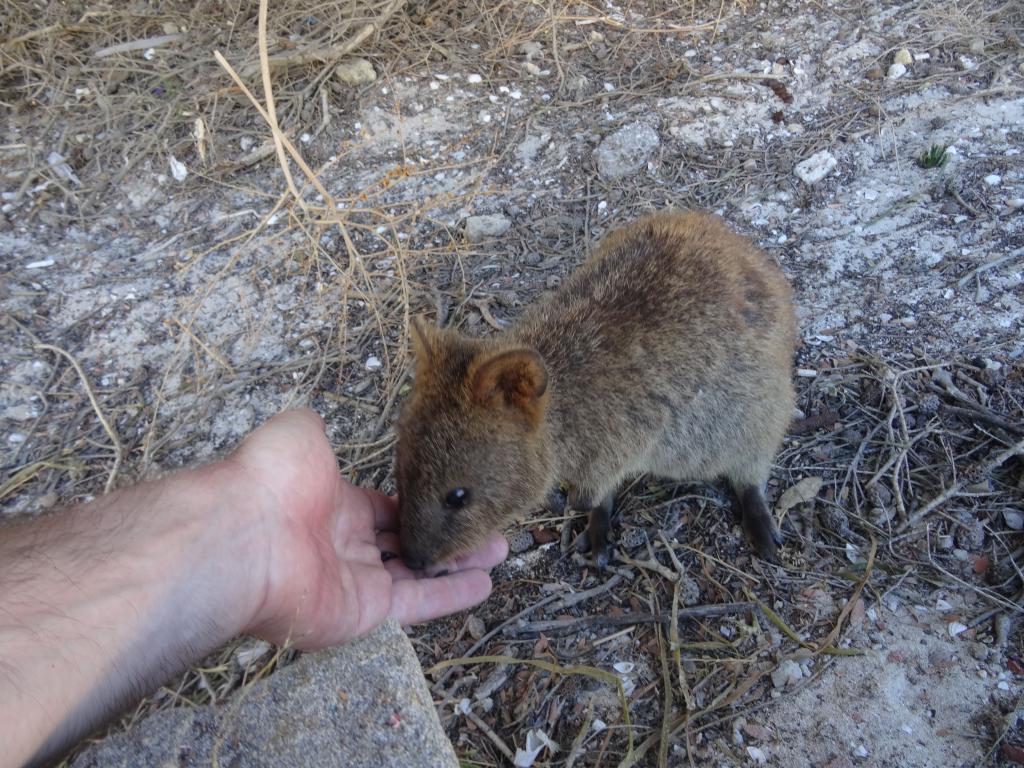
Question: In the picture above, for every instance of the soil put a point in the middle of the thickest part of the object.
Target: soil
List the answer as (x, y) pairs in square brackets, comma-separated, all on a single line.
[(198, 308)]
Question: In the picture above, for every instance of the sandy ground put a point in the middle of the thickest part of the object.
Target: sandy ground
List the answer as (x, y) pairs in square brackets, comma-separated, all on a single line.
[(194, 324)]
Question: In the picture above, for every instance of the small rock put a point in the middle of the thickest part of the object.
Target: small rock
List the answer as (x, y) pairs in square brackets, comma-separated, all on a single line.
[(903, 57), (788, 673), (355, 72), (835, 520), (486, 226), (896, 71), (880, 516), (757, 755), (978, 650), (816, 167), (474, 78), (970, 535), (632, 538), (476, 627), (860, 751), (993, 179), (875, 73), (1013, 519), (944, 542), (178, 169), (507, 299), (757, 732), (689, 592), (532, 259), (531, 49), (520, 541), (626, 151)]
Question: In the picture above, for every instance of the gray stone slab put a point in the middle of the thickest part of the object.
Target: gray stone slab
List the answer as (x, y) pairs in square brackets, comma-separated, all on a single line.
[(362, 704)]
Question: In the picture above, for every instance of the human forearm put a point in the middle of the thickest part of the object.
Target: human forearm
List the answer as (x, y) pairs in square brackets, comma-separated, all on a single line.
[(100, 604)]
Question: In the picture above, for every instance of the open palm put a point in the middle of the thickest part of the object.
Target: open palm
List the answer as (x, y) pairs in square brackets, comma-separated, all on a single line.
[(326, 566)]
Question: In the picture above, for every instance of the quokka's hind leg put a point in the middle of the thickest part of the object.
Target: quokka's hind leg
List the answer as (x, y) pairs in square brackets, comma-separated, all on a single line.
[(752, 508)]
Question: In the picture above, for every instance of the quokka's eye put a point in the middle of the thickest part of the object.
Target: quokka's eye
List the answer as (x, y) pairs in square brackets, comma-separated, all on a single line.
[(457, 498)]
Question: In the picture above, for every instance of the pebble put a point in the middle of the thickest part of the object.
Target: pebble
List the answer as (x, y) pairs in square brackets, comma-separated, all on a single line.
[(993, 179), (896, 71), (1013, 519), (626, 151), (903, 57), (476, 627), (860, 751), (875, 73), (373, 363), (474, 79), (520, 541), (40, 264), (355, 72), (486, 226), (787, 673), (816, 167), (507, 299), (757, 755), (532, 259)]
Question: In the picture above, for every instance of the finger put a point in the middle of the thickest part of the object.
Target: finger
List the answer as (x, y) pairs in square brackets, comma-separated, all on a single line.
[(300, 416), (417, 600), (486, 556), (385, 510)]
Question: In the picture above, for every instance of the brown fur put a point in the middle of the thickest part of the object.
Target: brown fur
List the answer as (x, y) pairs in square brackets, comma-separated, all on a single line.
[(668, 352)]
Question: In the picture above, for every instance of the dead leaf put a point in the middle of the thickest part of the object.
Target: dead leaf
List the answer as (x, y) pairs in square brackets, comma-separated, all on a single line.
[(857, 614), (801, 493), (544, 535), (1013, 753)]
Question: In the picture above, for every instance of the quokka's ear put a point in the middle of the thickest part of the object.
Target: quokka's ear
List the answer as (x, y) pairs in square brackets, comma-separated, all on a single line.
[(516, 377), (425, 339)]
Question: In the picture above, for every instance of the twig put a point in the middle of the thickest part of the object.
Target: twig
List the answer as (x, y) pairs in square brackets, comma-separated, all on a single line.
[(650, 565), (578, 597), (954, 490), (561, 627), (480, 643), (115, 441), (137, 45), (309, 54), (830, 639), (489, 733), (577, 744), (987, 265)]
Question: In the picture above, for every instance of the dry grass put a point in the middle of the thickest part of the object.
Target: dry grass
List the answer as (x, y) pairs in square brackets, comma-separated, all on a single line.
[(919, 451)]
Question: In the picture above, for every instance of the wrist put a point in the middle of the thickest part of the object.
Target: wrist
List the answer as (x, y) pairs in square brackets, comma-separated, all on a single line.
[(220, 546)]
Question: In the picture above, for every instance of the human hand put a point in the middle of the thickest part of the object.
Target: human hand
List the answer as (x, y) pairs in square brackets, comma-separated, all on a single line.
[(317, 576)]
